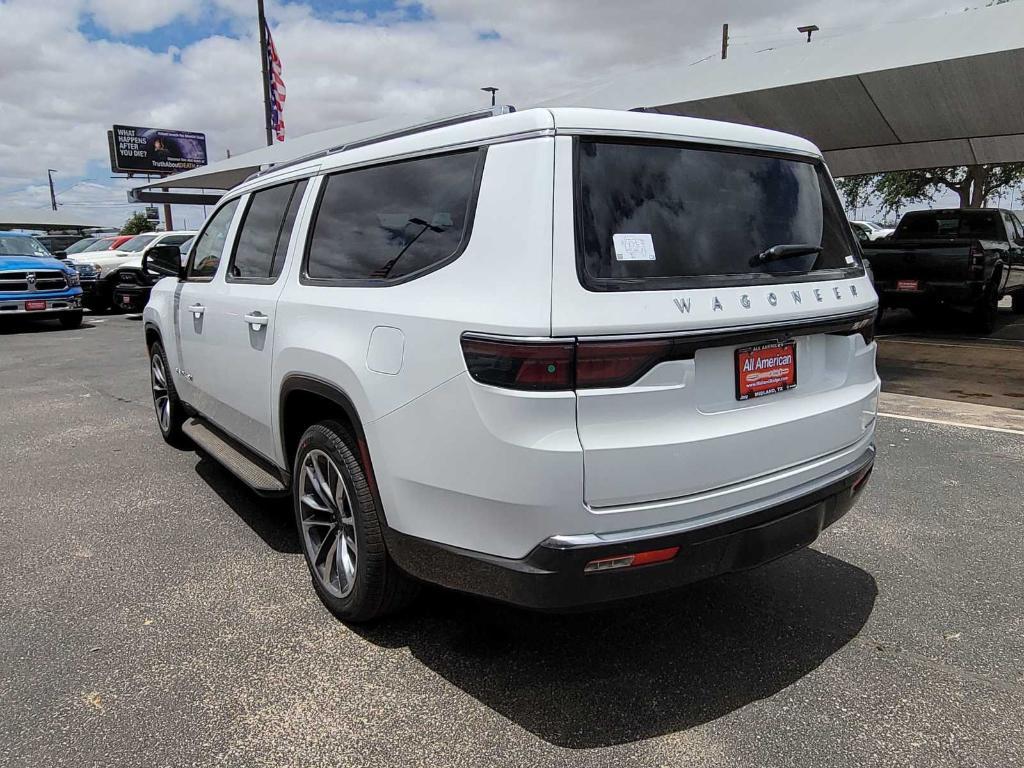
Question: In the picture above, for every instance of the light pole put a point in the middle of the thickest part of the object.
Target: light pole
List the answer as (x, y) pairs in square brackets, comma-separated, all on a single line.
[(492, 90), (53, 197), (809, 30)]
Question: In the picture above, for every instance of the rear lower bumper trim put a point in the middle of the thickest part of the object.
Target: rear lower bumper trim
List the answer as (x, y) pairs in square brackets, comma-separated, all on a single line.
[(573, 541), (555, 579)]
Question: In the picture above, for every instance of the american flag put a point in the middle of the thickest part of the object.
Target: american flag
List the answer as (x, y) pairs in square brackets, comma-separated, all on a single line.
[(277, 89)]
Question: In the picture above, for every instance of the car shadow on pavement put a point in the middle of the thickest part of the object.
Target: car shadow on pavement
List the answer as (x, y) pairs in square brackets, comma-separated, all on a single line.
[(644, 668), (271, 519), (11, 325)]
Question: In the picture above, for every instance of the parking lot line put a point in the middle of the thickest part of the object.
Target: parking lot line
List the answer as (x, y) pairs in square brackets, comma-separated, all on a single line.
[(951, 413), (1007, 343), (946, 423)]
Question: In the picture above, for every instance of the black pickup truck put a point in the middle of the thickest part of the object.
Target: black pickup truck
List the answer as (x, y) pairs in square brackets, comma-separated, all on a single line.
[(967, 258)]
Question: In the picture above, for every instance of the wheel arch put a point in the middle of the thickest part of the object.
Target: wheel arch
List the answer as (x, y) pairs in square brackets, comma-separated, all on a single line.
[(152, 333), (305, 400)]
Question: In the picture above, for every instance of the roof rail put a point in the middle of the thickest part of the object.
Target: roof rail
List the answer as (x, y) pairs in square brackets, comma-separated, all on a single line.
[(441, 122)]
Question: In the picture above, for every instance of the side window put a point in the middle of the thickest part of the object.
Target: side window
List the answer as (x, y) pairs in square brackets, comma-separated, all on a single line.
[(391, 221), (265, 231), (209, 246), (1012, 225)]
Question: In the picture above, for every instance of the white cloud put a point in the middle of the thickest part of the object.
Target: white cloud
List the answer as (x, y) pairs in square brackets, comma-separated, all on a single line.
[(131, 16), (60, 92)]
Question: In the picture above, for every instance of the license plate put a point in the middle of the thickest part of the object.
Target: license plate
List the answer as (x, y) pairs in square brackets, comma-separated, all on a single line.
[(35, 305), (126, 300), (907, 285), (765, 369)]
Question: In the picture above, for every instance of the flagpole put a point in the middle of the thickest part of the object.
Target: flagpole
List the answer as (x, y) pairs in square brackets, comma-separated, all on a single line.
[(264, 64)]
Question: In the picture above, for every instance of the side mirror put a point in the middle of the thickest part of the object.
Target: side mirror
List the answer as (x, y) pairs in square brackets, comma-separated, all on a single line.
[(60, 254), (163, 260)]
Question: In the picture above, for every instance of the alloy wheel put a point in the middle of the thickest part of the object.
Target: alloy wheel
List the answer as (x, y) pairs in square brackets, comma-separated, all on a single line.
[(161, 398), (328, 523)]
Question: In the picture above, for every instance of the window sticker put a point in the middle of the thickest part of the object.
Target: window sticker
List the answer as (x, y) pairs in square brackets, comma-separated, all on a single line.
[(636, 247)]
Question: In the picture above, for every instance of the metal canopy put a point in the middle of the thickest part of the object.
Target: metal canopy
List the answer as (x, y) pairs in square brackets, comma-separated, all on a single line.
[(944, 91), (43, 221), (225, 174)]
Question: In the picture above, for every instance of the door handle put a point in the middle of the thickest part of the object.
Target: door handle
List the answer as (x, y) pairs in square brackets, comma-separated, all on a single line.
[(256, 320), (197, 309)]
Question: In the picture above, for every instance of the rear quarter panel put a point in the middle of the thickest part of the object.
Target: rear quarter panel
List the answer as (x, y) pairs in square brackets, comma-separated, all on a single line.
[(501, 284)]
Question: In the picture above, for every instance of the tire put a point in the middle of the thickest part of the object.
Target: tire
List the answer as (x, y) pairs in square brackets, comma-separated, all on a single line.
[(170, 412), (986, 311), (71, 320), (339, 520), (1018, 303)]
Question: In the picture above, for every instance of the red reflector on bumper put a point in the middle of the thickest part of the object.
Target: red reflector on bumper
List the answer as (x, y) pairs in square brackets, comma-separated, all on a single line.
[(629, 561)]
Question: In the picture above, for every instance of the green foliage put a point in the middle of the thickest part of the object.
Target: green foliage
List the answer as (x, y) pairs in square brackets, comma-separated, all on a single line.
[(137, 224), (973, 184)]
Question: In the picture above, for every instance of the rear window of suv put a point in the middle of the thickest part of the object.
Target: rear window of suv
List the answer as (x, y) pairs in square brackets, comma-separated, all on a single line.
[(659, 216)]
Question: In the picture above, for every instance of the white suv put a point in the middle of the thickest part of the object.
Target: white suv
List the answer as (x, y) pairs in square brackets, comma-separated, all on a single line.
[(554, 357)]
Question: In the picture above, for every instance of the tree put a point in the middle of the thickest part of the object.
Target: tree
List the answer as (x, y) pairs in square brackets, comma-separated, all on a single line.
[(975, 185), (137, 224)]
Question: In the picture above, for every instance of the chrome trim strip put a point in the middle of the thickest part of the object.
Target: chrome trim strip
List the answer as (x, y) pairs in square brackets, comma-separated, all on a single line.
[(782, 325), (576, 541)]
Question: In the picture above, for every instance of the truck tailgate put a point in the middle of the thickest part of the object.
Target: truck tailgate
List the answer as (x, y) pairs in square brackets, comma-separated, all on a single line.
[(925, 260)]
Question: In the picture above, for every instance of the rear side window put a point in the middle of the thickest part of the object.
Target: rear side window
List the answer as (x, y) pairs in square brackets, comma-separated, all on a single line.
[(656, 216), (265, 232), (392, 222), (209, 246), (938, 225)]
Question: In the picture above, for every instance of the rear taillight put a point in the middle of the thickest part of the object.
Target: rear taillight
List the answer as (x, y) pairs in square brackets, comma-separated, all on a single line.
[(528, 365), (865, 327), (976, 259), (617, 363), (543, 365)]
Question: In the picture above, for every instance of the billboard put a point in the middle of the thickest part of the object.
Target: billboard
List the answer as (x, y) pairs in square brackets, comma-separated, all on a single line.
[(154, 150)]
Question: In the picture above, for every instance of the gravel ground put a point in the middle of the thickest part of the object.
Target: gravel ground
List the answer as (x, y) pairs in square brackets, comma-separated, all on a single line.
[(157, 614)]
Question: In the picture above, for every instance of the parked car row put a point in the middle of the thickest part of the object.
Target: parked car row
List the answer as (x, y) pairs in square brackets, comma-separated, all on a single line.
[(97, 273)]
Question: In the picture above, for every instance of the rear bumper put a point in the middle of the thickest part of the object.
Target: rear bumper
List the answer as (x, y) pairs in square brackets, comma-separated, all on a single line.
[(956, 293), (552, 576), (131, 297)]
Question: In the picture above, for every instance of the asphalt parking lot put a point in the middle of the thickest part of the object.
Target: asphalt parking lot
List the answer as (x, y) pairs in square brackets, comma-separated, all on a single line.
[(157, 614)]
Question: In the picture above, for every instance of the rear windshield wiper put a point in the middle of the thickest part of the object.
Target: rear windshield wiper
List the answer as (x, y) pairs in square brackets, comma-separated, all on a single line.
[(777, 252)]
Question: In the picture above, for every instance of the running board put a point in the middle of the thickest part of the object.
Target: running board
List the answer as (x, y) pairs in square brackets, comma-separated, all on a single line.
[(232, 458)]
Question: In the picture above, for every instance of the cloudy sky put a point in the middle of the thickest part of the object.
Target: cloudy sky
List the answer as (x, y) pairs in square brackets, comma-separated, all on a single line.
[(69, 69)]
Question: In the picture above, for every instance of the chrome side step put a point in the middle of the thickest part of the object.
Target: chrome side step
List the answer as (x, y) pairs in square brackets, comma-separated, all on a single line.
[(232, 458)]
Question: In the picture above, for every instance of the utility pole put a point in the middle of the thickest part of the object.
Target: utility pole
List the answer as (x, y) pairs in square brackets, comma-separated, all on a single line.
[(725, 41), (53, 197), (265, 68), (492, 90)]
